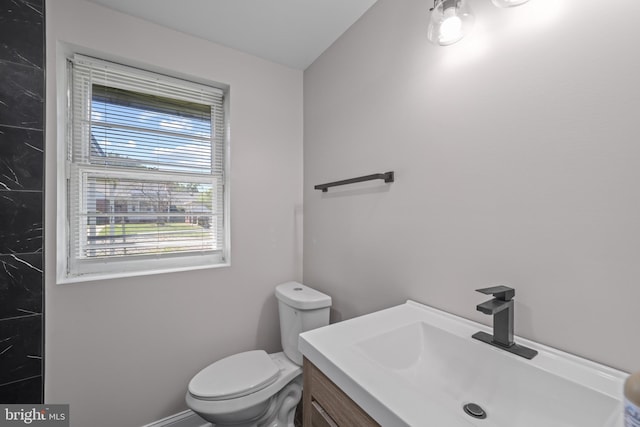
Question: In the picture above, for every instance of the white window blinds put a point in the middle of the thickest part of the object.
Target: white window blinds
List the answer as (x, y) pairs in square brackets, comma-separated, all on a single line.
[(145, 171)]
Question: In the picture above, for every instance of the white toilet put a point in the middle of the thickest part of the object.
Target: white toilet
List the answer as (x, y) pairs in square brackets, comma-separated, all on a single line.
[(256, 389)]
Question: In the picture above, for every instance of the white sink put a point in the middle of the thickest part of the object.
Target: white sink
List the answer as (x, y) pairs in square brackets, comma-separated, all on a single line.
[(417, 366)]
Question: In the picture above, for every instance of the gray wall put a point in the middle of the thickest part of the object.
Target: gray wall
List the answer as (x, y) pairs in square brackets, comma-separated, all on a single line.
[(121, 352), (517, 162), (21, 186)]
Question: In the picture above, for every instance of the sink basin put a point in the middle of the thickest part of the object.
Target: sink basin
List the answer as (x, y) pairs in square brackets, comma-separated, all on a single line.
[(414, 365)]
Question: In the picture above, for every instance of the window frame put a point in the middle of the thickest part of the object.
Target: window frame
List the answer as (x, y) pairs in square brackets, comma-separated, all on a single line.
[(71, 268)]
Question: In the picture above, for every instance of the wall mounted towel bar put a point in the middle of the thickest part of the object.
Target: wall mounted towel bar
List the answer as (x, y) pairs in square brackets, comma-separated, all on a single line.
[(387, 176)]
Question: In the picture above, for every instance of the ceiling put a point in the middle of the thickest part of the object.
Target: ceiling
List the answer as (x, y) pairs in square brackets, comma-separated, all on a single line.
[(290, 32)]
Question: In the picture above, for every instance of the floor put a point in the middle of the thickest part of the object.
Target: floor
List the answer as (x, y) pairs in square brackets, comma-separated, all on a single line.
[(190, 419)]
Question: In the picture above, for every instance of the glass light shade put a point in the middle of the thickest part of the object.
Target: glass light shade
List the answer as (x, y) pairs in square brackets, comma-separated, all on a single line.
[(508, 3), (450, 21)]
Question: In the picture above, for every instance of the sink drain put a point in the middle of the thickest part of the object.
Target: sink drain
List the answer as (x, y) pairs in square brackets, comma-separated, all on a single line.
[(474, 410)]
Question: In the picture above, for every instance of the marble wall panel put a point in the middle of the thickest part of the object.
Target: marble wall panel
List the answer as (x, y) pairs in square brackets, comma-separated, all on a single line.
[(28, 390), (22, 32), (20, 348), (21, 95), (20, 222), (20, 285), (21, 159)]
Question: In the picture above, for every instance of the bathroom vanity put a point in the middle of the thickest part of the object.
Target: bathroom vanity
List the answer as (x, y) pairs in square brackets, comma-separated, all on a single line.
[(413, 365)]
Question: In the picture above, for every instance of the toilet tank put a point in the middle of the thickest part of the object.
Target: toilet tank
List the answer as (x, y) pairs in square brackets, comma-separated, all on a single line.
[(301, 309)]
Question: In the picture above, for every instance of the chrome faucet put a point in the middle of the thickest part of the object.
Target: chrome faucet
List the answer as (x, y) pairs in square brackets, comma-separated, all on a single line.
[(501, 307)]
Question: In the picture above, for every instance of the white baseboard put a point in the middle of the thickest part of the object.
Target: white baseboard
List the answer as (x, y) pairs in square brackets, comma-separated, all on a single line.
[(186, 418)]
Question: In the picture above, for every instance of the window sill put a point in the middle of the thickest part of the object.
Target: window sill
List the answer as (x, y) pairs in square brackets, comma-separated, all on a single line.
[(109, 276)]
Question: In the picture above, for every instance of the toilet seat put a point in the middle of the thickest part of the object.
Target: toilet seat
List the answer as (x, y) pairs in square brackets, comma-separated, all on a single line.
[(234, 376)]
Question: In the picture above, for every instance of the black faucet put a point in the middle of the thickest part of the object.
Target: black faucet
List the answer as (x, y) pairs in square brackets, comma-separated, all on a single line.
[(501, 307)]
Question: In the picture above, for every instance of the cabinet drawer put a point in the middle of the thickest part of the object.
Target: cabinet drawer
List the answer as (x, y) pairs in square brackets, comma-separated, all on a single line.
[(324, 402), (319, 417)]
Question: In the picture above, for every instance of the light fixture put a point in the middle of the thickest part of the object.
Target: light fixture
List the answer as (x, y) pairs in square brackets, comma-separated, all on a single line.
[(508, 3), (450, 21)]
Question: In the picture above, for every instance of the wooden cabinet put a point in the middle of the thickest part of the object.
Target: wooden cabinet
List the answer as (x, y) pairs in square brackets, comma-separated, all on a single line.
[(325, 405)]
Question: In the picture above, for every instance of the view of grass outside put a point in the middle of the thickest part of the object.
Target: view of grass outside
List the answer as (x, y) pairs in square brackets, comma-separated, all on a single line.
[(118, 239), (133, 229)]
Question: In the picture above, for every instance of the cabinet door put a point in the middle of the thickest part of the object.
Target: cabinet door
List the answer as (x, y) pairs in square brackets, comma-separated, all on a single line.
[(325, 404)]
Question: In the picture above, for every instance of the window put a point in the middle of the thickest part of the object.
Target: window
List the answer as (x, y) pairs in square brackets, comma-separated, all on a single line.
[(145, 173)]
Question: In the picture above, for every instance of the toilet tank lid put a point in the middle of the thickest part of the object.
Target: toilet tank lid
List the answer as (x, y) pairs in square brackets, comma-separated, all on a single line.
[(301, 297)]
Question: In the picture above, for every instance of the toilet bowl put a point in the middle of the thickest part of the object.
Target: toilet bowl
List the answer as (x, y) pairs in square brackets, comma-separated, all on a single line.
[(258, 396), (256, 389)]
